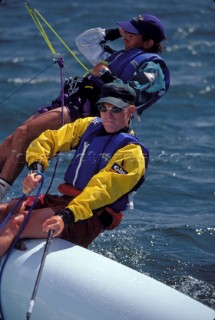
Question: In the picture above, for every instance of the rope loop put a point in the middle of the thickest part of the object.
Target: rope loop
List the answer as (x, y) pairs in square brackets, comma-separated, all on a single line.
[(19, 233)]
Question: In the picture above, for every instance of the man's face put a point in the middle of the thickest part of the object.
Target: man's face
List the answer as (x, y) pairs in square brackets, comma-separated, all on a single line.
[(114, 122), (131, 41)]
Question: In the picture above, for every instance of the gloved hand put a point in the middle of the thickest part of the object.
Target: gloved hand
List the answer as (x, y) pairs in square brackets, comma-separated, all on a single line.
[(106, 75), (66, 215), (112, 34)]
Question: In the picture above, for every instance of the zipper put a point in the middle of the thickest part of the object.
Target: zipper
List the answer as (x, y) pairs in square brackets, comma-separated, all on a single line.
[(86, 145)]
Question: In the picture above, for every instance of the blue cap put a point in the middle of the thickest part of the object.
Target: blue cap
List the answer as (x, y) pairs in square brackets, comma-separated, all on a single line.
[(145, 24)]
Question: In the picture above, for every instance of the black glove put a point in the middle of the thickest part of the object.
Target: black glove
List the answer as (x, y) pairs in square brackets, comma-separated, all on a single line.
[(107, 76), (35, 167), (66, 215), (112, 34)]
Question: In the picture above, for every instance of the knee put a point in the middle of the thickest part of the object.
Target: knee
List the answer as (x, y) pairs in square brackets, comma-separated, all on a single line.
[(17, 219), (23, 135)]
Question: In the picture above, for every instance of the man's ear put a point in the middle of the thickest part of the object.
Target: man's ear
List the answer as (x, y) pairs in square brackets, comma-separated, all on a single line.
[(132, 110), (148, 44)]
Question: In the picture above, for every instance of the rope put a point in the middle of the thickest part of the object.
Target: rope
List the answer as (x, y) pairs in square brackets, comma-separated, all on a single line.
[(11, 212), (35, 14), (61, 65), (18, 235), (35, 17)]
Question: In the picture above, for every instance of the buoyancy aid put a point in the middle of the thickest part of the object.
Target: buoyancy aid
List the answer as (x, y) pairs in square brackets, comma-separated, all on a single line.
[(125, 63), (88, 161)]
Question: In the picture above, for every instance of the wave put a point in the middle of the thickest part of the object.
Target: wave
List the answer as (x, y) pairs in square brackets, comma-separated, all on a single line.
[(166, 254)]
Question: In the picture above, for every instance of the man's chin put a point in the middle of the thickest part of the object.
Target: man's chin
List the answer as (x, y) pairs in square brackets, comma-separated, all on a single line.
[(110, 129)]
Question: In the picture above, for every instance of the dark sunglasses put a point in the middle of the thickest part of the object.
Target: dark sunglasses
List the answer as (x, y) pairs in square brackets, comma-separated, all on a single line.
[(114, 109)]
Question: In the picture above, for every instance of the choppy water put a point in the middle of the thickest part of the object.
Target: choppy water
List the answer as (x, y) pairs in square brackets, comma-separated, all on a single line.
[(170, 234)]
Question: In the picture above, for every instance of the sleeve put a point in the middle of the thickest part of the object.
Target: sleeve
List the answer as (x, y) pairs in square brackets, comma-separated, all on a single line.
[(149, 78), (89, 44), (149, 84), (120, 175), (51, 142)]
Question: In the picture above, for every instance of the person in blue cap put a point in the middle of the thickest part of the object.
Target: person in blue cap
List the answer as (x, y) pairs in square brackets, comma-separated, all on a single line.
[(145, 24), (138, 64)]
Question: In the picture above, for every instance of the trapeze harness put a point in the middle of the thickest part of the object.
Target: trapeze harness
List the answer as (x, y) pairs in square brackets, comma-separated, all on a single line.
[(88, 161)]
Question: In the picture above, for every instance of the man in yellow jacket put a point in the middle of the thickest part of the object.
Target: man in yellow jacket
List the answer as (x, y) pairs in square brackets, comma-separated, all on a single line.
[(109, 163)]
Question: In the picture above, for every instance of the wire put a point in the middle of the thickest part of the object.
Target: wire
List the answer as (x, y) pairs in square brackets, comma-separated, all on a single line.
[(25, 84)]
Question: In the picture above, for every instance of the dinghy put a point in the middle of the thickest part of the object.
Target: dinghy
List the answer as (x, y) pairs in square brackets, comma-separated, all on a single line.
[(78, 284)]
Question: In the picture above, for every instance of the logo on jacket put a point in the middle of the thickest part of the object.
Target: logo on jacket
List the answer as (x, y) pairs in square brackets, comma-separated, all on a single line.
[(119, 168)]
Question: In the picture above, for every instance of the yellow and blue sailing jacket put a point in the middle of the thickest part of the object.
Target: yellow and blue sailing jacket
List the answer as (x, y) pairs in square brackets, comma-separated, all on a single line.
[(106, 167)]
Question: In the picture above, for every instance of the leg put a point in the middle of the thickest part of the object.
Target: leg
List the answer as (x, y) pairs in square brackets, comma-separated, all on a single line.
[(6, 208), (9, 232), (33, 228), (12, 150)]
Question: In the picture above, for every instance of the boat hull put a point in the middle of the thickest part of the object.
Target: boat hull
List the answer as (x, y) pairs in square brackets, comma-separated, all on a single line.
[(79, 284)]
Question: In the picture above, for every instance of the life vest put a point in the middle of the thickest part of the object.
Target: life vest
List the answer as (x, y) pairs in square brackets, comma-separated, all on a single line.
[(87, 160), (125, 63)]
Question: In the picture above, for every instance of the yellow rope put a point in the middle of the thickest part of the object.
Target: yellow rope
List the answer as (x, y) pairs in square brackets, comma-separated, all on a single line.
[(40, 27), (35, 14)]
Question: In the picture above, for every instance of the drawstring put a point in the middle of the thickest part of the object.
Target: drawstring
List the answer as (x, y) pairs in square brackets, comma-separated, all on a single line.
[(19, 233)]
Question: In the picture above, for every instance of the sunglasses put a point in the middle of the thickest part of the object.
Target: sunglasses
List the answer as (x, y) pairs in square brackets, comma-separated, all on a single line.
[(114, 109)]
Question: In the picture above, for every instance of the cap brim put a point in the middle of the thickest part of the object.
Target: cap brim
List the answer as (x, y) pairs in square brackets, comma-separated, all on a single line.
[(127, 26), (114, 101)]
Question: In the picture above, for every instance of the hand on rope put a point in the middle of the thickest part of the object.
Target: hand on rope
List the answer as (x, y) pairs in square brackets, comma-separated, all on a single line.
[(13, 244), (21, 230), (31, 181), (29, 184)]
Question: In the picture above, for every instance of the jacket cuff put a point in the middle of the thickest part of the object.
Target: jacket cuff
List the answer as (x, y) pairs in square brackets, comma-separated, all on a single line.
[(36, 166), (67, 216)]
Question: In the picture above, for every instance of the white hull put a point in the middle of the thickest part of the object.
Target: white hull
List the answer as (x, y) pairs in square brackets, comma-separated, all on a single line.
[(77, 284)]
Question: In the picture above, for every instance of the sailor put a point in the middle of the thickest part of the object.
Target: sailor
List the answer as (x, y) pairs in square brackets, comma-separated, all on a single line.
[(138, 64), (109, 163)]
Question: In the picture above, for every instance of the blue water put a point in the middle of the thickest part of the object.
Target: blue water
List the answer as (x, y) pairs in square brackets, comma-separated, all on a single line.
[(170, 235)]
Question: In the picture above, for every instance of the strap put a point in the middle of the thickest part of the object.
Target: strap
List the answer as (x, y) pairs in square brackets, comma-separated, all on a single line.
[(69, 190)]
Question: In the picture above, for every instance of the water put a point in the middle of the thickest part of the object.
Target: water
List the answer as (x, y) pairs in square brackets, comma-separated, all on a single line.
[(170, 235)]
